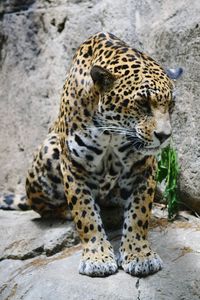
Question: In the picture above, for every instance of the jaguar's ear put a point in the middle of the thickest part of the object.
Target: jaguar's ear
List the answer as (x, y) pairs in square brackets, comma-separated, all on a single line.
[(102, 78), (174, 73)]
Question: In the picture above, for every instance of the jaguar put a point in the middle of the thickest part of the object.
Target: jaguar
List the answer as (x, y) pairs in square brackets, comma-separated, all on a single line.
[(100, 152)]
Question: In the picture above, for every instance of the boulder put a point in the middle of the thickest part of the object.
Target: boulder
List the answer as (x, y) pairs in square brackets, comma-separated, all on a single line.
[(37, 263), (25, 235)]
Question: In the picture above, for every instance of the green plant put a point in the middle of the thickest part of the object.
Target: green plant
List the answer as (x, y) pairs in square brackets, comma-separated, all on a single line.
[(168, 174)]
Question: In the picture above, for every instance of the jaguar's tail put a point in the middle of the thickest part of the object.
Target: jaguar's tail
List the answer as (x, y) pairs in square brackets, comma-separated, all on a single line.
[(13, 202)]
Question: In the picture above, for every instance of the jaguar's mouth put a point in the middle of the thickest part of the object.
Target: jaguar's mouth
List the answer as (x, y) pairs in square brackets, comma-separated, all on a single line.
[(150, 150), (153, 148)]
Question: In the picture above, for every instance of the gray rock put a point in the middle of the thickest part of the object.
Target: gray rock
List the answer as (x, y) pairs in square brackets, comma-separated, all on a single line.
[(25, 235), (38, 39), (56, 276)]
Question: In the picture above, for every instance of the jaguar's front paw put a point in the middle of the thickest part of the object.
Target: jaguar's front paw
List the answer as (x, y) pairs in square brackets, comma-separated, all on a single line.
[(97, 263), (98, 268), (141, 264)]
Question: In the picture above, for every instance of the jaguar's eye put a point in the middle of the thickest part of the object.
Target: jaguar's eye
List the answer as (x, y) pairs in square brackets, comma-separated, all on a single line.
[(144, 104)]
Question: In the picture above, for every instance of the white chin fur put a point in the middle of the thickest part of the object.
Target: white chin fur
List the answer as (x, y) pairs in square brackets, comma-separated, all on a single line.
[(151, 151), (155, 150)]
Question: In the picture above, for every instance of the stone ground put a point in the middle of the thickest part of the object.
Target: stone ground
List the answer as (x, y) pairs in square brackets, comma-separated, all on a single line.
[(39, 260)]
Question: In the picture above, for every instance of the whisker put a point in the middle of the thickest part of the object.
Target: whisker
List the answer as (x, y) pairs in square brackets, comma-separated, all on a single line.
[(131, 134), (118, 130)]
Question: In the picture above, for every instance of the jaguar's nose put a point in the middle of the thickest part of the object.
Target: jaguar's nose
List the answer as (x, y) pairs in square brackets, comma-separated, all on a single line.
[(162, 136)]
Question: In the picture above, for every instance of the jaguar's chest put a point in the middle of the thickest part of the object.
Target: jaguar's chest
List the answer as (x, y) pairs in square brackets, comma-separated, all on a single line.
[(100, 153), (105, 158)]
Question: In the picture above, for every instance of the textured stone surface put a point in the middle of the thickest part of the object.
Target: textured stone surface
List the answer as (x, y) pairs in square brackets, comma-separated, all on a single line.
[(25, 235), (37, 41), (56, 276)]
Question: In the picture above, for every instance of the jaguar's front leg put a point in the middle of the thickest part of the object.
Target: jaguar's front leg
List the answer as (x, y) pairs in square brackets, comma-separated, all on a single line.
[(136, 256), (97, 257)]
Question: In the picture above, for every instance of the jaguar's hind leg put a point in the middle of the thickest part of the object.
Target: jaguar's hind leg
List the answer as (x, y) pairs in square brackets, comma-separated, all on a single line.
[(44, 183)]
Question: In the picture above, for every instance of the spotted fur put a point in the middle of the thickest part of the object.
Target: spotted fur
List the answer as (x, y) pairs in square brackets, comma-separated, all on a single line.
[(113, 118)]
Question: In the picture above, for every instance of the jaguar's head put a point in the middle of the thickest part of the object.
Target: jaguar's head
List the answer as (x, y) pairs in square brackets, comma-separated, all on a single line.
[(136, 100)]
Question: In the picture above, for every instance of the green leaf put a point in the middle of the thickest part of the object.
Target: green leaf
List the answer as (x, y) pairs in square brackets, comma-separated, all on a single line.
[(168, 172)]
